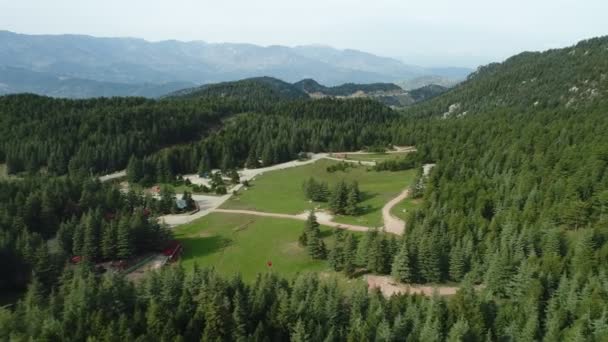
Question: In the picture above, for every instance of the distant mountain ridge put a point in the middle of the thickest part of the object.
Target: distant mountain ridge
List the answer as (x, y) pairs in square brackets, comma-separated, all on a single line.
[(311, 86), (18, 80), (137, 61), (266, 88), (272, 89)]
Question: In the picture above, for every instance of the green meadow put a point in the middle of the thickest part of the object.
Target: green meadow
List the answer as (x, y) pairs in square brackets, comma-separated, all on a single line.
[(281, 191)]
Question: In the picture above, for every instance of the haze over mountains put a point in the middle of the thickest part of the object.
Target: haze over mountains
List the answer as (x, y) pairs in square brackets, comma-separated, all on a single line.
[(85, 66)]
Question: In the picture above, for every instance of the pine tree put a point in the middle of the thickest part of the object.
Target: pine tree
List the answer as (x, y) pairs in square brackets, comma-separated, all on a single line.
[(48, 217), (457, 263), (268, 155), (252, 160), (216, 180), (108, 241), (167, 200), (354, 188), (239, 316), (350, 254), (584, 256), (459, 331), (401, 265), (338, 200), (204, 165), (78, 240), (187, 197), (336, 254), (378, 258), (234, 177), (321, 192), (352, 201), (91, 236), (428, 260), (383, 332), (314, 242), (135, 170), (124, 239), (299, 333), (311, 224)]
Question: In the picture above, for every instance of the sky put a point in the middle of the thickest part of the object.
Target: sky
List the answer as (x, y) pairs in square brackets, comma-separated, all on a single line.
[(423, 32)]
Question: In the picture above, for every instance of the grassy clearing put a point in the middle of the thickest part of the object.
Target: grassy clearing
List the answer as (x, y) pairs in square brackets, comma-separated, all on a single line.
[(233, 243), (406, 206), (281, 191), (377, 157)]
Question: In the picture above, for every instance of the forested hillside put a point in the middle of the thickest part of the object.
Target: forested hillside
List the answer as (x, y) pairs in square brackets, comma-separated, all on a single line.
[(98, 135), (570, 77), (312, 86), (515, 211), (278, 135), (251, 89)]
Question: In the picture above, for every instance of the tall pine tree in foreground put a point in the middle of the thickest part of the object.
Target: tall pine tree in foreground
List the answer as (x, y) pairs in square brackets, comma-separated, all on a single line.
[(339, 198), (311, 238)]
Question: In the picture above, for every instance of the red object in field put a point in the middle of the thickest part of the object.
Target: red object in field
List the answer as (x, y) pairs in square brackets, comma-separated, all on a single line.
[(173, 249), (76, 259), (269, 263)]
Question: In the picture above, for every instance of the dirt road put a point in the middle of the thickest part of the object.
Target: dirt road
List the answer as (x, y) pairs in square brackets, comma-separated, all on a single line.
[(322, 218), (352, 161), (115, 175), (394, 224), (388, 286), (206, 204)]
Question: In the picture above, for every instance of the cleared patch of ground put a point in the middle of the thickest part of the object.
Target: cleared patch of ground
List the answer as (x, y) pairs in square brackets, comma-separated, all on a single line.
[(154, 263), (389, 287)]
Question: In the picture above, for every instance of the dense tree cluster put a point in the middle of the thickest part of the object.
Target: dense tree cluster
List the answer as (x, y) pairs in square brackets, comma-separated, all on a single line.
[(409, 161), (316, 191), (44, 221), (201, 306), (97, 135), (343, 198), (269, 135)]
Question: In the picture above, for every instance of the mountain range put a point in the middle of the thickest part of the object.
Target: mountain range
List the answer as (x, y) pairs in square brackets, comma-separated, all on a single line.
[(271, 90), (85, 66)]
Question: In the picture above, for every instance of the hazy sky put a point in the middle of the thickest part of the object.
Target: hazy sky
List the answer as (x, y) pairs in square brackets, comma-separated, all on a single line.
[(424, 32)]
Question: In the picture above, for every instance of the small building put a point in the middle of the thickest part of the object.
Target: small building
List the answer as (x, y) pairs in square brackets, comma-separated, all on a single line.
[(181, 204)]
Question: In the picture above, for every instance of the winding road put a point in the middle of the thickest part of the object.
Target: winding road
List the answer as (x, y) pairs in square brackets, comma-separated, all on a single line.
[(393, 224)]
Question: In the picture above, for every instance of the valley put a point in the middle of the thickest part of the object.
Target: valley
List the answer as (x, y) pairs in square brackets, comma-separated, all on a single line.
[(260, 209)]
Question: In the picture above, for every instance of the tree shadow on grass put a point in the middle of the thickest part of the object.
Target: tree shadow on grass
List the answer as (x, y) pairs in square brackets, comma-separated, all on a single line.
[(196, 247), (327, 233), (366, 195), (366, 209)]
